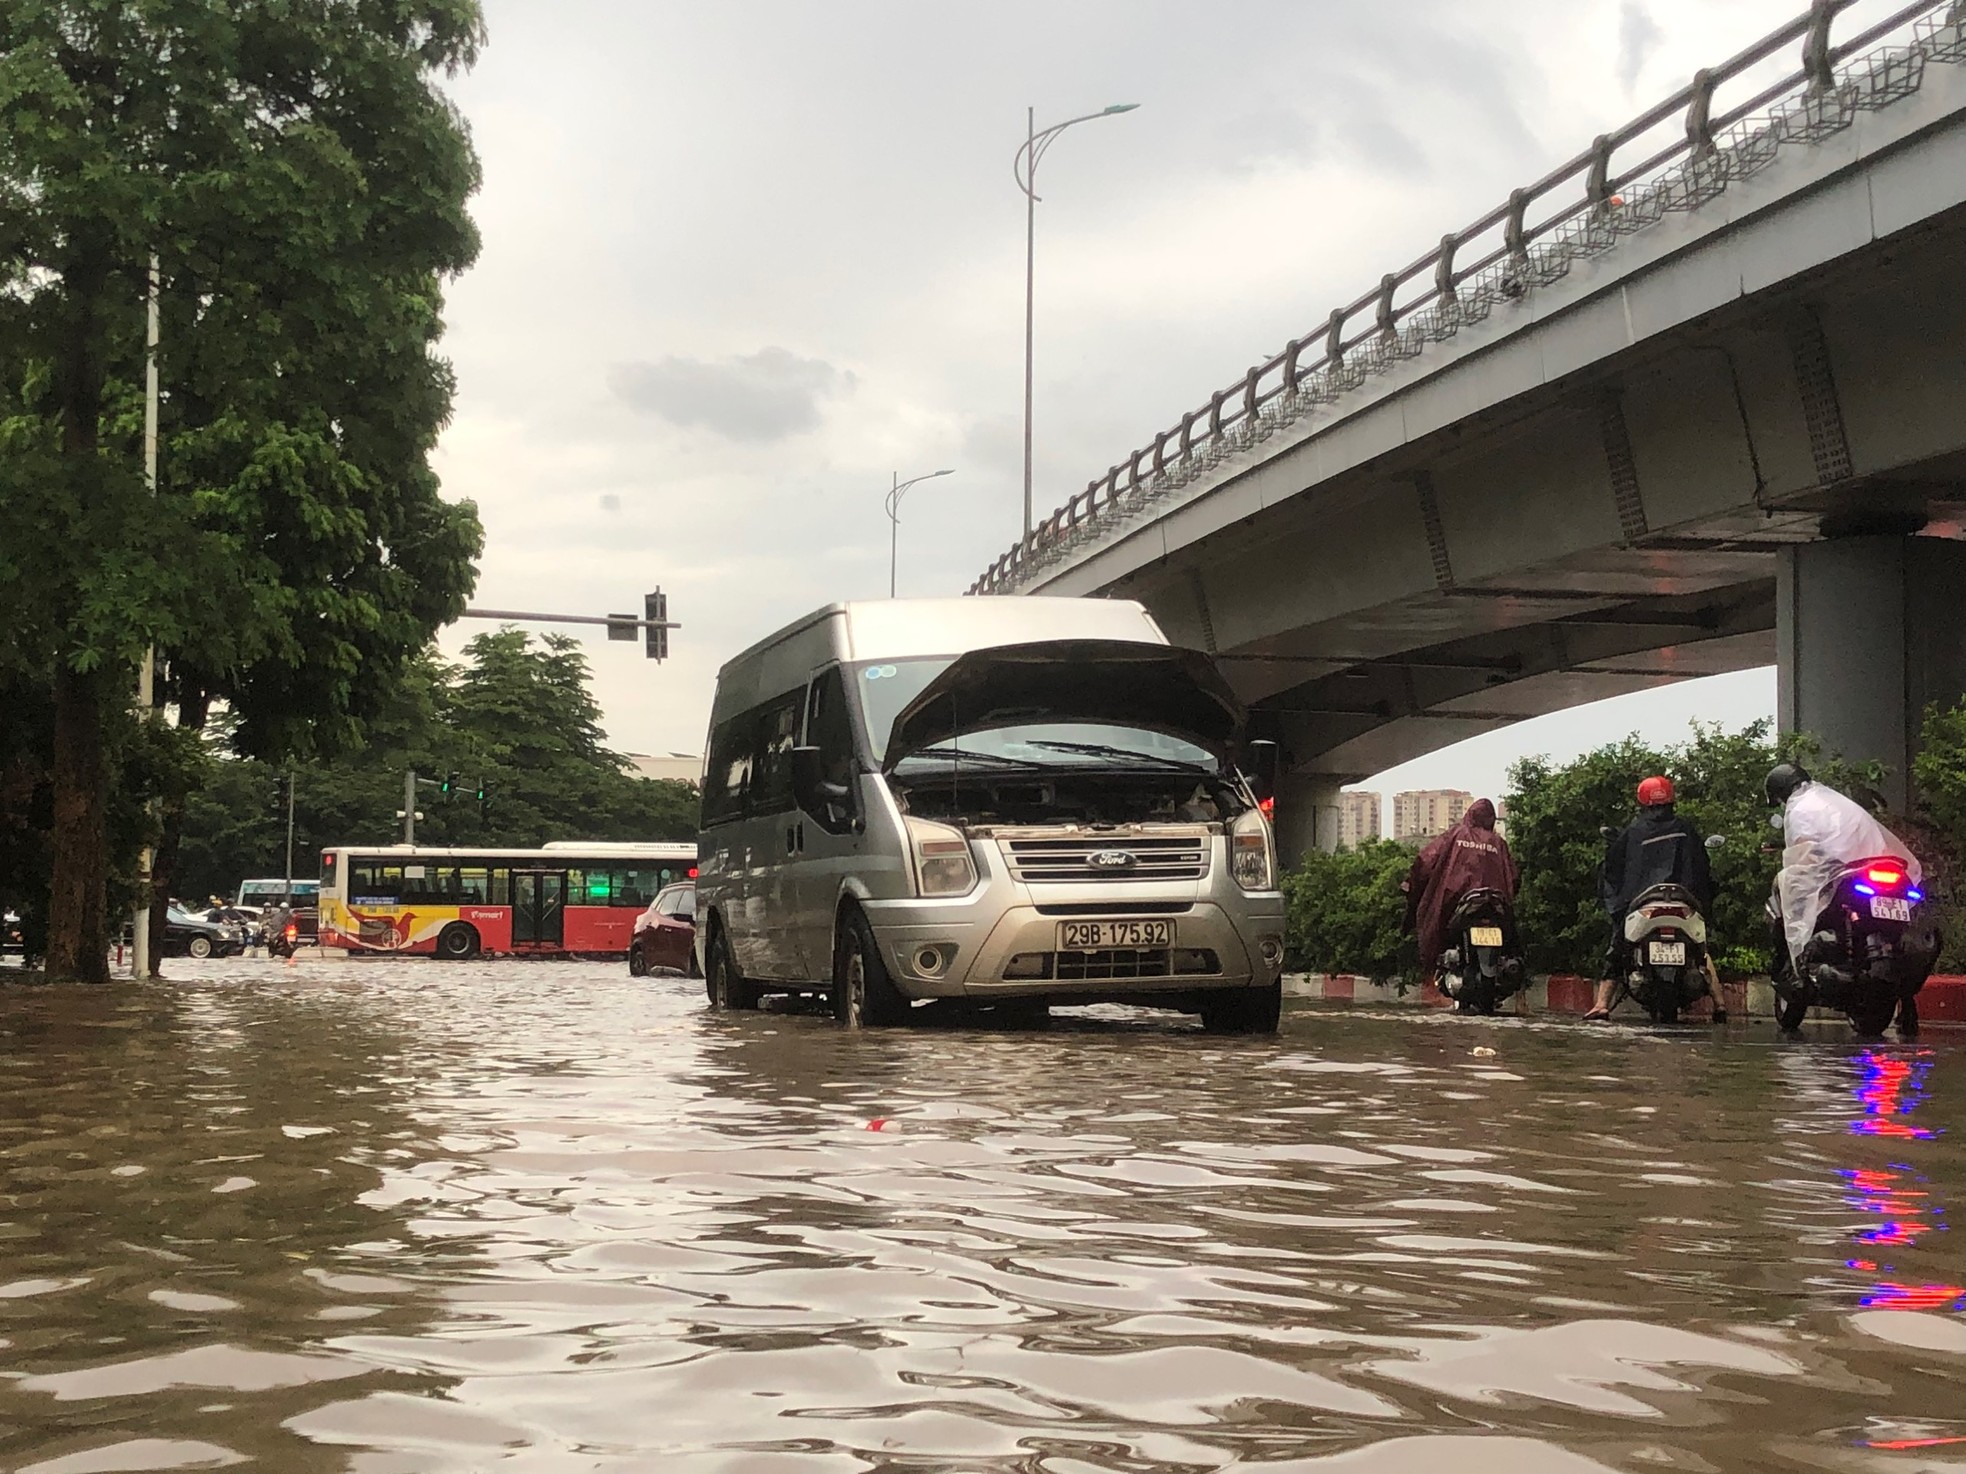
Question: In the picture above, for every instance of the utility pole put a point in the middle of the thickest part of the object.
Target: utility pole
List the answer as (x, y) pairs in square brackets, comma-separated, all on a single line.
[(409, 807), (147, 672), (290, 836)]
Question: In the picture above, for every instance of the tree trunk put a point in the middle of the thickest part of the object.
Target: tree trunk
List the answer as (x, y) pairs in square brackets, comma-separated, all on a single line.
[(78, 919)]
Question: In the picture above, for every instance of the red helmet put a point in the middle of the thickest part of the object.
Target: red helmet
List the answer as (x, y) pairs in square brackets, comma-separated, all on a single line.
[(1654, 792)]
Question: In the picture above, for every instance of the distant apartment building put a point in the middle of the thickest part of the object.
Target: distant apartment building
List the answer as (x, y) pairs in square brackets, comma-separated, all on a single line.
[(1426, 812), (1358, 818)]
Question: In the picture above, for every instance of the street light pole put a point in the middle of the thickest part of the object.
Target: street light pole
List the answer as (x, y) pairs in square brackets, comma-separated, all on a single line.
[(1025, 170), (147, 672), (899, 490)]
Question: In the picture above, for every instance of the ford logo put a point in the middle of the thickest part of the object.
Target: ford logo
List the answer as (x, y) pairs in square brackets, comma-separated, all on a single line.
[(1112, 860)]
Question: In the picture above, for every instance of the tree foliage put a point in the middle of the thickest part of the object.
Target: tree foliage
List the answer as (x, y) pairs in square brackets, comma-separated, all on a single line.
[(1345, 911), (515, 714), (301, 181)]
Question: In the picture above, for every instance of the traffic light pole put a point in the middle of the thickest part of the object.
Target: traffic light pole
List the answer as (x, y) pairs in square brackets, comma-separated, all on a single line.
[(656, 624)]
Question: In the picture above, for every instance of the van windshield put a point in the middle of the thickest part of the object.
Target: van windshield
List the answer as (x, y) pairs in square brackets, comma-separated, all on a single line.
[(887, 687)]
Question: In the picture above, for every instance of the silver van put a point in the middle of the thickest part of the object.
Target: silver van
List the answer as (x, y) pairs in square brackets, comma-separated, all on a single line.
[(1014, 802)]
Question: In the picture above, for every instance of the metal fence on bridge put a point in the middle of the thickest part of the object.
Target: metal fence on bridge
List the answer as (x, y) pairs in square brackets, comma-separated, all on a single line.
[(1506, 254)]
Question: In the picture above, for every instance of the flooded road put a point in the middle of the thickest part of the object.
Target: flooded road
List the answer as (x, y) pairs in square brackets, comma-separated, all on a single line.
[(411, 1218)]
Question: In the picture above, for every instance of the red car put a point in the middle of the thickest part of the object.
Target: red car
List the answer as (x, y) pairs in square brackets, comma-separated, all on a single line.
[(665, 934)]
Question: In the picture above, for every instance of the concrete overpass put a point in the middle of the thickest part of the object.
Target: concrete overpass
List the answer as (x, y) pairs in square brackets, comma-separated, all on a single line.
[(1693, 402)]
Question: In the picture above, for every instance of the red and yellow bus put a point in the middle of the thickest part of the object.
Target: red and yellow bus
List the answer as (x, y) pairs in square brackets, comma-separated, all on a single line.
[(568, 899)]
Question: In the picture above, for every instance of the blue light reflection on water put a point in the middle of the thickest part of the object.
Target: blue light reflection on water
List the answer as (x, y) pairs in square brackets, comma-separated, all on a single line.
[(1890, 1087)]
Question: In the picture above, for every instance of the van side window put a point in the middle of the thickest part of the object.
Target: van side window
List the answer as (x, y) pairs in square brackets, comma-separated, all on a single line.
[(830, 729), (727, 774), (778, 734)]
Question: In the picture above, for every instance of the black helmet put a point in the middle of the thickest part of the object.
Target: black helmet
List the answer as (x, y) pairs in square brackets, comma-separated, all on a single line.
[(1783, 780)]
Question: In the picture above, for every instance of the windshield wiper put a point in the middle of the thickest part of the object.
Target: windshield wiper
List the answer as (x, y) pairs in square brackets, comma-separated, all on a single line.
[(969, 755), (1101, 749)]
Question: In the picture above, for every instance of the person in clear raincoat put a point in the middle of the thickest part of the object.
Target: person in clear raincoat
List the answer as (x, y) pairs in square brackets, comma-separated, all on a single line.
[(1823, 833)]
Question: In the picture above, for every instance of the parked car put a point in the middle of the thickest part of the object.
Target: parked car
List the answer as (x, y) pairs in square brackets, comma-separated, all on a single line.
[(664, 939), (186, 935)]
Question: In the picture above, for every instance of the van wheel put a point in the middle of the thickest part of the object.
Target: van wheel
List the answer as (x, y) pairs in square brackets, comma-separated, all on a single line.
[(457, 942), (1243, 1010), (638, 963), (726, 986), (864, 996)]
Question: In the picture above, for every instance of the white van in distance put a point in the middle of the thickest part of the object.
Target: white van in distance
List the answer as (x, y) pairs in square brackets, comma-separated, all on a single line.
[(1016, 802)]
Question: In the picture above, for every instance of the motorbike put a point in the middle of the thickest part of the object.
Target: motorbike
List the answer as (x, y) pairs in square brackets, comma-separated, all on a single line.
[(282, 936), (1666, 952), (1869, 956), (1482, 966)]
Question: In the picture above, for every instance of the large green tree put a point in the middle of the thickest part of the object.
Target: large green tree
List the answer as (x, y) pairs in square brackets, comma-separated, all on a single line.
[(301, 180)]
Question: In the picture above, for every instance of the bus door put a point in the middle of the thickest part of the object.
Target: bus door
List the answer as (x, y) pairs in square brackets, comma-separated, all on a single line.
[(539, 907)]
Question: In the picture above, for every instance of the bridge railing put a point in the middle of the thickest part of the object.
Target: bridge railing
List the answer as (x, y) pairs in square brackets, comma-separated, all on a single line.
[(1578, 210)]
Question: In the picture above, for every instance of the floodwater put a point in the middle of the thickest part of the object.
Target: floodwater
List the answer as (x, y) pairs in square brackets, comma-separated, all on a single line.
[(425, 1218)]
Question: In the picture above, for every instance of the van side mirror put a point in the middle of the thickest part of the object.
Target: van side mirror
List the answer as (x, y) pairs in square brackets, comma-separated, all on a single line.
[(810, 790), (1262, 758)]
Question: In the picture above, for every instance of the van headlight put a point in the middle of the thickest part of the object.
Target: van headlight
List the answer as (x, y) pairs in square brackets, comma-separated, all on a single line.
[(1250, 859), (942, 863)]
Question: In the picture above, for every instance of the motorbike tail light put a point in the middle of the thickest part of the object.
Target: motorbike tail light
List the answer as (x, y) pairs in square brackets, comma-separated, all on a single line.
[(1651, 911), (1268, 806), (1885, 875), (292, 931)]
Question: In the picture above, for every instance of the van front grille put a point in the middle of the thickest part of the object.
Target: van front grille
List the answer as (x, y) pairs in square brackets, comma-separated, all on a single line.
[(1081, 859), (1113, 963)]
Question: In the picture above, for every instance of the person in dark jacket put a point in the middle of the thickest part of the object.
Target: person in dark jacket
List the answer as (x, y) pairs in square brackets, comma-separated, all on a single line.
[(1471, 856), (1656, 848)]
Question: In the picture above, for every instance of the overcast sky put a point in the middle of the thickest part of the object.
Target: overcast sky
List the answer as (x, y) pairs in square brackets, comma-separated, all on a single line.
[(743, 261)]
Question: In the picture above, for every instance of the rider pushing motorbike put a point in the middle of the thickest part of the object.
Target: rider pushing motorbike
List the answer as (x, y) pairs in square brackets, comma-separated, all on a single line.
[(1471, 856), (1824, 832), (1656, 848)]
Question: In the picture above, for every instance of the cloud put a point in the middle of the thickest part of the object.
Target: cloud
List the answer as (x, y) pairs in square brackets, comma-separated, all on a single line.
[(755, 398), (1638, 37)]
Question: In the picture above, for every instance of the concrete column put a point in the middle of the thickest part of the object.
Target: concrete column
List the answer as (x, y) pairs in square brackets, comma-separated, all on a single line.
[(1869, 632), (1306, 816)]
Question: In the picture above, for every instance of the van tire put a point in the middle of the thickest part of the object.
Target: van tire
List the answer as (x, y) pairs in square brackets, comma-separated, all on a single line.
[(457, 942), (726, 987), (864, 996), (1256, 1010)]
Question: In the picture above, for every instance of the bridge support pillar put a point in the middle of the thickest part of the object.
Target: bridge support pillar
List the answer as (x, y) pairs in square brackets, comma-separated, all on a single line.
[(1868, 634), (1306, 816)]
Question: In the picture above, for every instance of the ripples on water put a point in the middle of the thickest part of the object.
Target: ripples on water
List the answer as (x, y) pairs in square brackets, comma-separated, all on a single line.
[(425, 1218)]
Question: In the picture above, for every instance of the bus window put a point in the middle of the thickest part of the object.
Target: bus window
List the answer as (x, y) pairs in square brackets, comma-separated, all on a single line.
[(472, 886)]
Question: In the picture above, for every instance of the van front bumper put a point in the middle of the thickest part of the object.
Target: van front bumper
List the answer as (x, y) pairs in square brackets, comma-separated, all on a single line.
[(971, 948)]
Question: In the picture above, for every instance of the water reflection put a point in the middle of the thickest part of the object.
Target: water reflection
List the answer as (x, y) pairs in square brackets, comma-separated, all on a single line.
[(1897, 1196), (439, 1219)]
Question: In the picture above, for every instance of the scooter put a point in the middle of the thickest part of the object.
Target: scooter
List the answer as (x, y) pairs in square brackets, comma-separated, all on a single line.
[(1666, 948), (282, 937), (1872, 949), (1483, 967)]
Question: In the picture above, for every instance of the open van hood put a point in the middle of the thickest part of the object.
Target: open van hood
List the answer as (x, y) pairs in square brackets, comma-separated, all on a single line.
[(1121, 683)]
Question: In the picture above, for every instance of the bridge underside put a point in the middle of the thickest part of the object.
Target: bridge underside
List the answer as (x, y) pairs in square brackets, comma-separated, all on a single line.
[(1617, 528)]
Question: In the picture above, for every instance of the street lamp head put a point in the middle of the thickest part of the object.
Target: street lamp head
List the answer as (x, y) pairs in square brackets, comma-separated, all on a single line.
[(1122, 107), (950, 472)]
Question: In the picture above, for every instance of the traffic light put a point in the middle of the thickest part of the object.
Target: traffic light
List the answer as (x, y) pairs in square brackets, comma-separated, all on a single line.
[(484, 796), (448, 785), (655, 609)]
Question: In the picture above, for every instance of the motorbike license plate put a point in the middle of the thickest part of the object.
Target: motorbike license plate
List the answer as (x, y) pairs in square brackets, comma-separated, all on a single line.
[(1667, 954), (1890, 908), (1098, 936), (1485, 936)]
